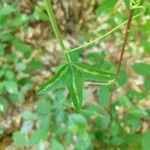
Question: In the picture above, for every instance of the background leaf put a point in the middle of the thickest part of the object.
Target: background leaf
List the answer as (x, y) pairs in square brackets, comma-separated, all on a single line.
[(105, 7), (38, 136), (145, 141), (104, 96), (20, 139), (56, 145), (142, 69)]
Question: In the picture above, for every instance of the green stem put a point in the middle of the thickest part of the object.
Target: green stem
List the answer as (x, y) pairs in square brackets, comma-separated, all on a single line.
[(125, 42), (60, 39), (57, 32), (99, 37), (54, 23), (55, 28), (96, 40)]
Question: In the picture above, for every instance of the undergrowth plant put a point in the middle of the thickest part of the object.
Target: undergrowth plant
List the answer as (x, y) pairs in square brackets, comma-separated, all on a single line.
[(74, 74), (102, 124)]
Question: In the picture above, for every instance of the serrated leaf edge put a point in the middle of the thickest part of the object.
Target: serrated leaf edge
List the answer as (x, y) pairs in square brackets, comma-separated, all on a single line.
[(48, 84), (77, 101), (96, 72)]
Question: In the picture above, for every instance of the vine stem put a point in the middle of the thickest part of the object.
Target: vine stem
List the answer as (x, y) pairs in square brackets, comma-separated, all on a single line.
[(54, 23), (99, 37), (125, 43), (55, 28)]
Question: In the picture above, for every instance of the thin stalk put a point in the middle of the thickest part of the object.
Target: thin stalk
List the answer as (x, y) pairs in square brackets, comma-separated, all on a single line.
[(59, 37), (54, 23), (60, 40), (125, 40), (55, 28), (101, 37)]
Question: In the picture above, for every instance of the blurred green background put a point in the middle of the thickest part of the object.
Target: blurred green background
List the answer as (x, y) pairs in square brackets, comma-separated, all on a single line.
[(30, 54)]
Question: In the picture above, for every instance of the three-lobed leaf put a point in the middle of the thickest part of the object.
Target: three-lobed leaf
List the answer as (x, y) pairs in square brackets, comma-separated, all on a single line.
[(73, 75)]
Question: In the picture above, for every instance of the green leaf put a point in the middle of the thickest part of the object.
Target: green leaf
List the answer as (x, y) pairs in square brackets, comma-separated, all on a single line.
[(132, 139), (92, 110), (1, 87), (134, 123), (84, 140), (116, 140), (9, 74), (2, 49), (75, 88), (114, 128), (45, 121), (56, 145), (35, 64), (17, 97), (73, 76), (77, 122), (124, 101), (20, 66), (43, 107), (60, 117), (105, 7), (2, 72), (147, 84), (3, 105), (20, 19), (38, 136), (132, 94), (7, 10), (28, 115), (94, 74), (145, 140), (22, 47), (104, 96), (137, 113), (27, 126), (57, 81), (142, 69), (122, 80), (39, 15), (127, 4), (20, 139), (11, 87), (103, 121)]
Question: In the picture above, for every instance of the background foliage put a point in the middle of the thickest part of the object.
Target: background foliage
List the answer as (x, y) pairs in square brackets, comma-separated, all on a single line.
[(29, 54)]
